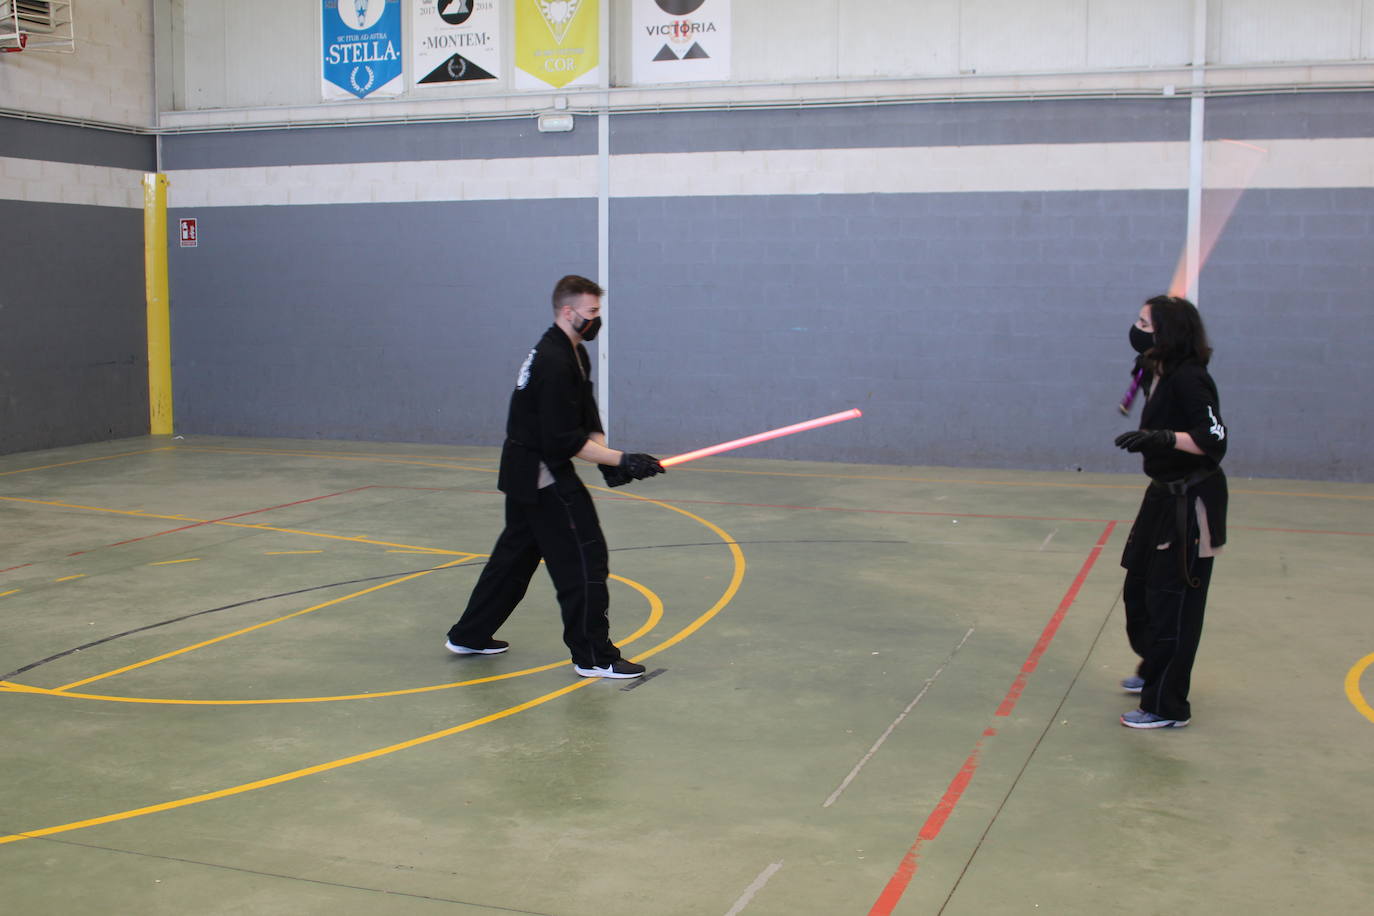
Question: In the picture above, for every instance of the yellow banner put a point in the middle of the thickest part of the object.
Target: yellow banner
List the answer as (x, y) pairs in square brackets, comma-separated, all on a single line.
[(557, 43)]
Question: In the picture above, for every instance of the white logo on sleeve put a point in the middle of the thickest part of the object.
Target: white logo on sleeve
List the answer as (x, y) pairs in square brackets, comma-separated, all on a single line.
[(1217, 429), (524, 378)]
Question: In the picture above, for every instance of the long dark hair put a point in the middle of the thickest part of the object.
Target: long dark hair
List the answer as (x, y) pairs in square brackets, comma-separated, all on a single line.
[(1179, 333)]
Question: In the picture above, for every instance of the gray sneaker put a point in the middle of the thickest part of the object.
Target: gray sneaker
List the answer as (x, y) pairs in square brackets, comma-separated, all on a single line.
[(1133, 684), (1139, 718)]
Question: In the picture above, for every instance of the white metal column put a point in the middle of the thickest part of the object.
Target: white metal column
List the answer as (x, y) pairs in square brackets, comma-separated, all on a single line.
[(1197, 123), (603, 223)]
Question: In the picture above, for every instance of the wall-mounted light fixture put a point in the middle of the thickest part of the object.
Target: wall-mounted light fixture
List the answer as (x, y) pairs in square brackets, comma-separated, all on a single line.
[(551, 122)]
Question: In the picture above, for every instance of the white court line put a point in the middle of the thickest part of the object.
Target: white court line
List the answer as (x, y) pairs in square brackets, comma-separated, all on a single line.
[(1046, 542), (753, 889), (895, 722)]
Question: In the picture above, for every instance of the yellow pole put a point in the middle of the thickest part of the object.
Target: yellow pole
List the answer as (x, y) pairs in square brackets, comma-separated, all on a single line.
[(159, 311)]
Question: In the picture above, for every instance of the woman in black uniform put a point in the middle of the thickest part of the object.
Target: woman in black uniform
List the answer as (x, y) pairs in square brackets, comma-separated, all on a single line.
[(1182, 521)]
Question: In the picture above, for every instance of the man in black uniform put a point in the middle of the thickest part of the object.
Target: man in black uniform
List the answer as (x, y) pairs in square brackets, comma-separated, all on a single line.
[(549, 513)]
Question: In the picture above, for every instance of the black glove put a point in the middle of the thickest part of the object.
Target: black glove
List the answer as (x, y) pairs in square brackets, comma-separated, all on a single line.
[(637, 465), (1146, 440), (613, 475)]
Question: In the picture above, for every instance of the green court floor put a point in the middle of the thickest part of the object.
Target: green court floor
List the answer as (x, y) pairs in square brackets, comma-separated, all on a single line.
[(872, 690)]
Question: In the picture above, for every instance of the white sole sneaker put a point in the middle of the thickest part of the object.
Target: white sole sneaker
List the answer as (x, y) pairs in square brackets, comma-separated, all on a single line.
[(608, 671), (464, 650)]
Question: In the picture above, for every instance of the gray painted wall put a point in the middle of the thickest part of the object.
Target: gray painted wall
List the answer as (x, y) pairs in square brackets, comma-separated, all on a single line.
[(73, 339), (402, 322), (982, 329)]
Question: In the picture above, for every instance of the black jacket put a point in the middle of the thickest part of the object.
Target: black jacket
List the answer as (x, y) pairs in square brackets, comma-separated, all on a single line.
[(552, 415), (1183, 400)]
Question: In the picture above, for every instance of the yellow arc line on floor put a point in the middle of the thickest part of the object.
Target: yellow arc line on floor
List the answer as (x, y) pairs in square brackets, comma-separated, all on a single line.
[(655, 615), (424, 739), (70, 578), (13, 591), (295, 774), (259, 626), (175, 562), (1352, 687)]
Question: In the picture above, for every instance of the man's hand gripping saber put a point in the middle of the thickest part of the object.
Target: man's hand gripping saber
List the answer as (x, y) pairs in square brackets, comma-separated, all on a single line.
[(763, 437)]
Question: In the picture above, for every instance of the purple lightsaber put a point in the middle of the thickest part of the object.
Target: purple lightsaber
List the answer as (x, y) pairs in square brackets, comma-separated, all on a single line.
[(1129, 397)]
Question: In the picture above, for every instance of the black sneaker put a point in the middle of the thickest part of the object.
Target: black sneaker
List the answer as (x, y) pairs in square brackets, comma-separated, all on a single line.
[(618, 668), (490, 647)]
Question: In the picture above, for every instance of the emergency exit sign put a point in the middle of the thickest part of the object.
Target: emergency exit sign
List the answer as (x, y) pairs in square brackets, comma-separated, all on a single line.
[(188, 232)]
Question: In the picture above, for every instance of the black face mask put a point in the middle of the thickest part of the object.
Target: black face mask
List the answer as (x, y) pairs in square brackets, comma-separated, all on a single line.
[(1141, 340), (589, 327)]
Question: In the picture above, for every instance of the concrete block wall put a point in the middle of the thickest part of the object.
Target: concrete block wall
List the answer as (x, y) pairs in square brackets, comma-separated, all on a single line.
[(107, 79), (965, 273), (73, 339)]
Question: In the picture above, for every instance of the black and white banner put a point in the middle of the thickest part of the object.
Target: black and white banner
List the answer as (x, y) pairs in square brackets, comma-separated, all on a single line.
[(456, 41), (681, 41)]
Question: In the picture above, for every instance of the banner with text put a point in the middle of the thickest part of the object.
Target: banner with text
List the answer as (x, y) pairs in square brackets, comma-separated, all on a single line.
[(681, 41), (456, 41), (557, 43), (362, 48)]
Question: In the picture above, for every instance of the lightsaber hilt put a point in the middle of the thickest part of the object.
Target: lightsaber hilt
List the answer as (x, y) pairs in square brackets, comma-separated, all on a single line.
[(763, 437), (1129, 398)]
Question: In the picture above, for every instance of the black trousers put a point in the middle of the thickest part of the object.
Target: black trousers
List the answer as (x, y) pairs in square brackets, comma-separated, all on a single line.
[(561, 529), (1164, 626)]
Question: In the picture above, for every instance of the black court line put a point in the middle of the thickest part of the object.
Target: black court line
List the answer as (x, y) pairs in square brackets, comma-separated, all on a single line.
[(298, 878), (391, 575)]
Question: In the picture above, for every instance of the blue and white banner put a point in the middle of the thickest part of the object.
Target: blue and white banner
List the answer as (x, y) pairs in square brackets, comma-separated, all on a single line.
[(362, 48)]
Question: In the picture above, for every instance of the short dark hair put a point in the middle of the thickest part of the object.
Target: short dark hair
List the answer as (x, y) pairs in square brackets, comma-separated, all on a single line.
[(572, 286), (1179, 333)]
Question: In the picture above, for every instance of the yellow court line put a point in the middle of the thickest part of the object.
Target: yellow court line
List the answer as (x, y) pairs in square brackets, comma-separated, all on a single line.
[(379, 459), (1352, 687), (292, 553), (414, 742), (174, 562), (259, 626), (304, 453), (358, 539), (70, 578), (735, 579), (205, 521), (655, 615), (133, 512), (63, 464), (13, 591), (297, 774)]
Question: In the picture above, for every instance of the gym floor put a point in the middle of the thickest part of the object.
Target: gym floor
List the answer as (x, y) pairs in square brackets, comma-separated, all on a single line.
[(882, 690)]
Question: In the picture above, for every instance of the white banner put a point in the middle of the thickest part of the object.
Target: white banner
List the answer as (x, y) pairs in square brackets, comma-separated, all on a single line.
[(681, 41), (456, 41)]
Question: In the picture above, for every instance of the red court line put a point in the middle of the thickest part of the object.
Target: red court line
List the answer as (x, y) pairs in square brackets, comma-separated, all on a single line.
[(906, 869), (13, 568), (1051, 628), (228, 518)]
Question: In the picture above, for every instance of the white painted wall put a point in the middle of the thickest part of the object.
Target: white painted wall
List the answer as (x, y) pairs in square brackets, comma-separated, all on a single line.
[(263, 54), (109, 78), (256, 53)]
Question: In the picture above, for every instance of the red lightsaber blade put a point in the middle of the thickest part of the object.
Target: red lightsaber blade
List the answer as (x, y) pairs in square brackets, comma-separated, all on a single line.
[(762, 437)]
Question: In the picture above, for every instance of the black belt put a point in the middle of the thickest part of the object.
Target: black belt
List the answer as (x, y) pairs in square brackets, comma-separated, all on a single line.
[(1179, 490)]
